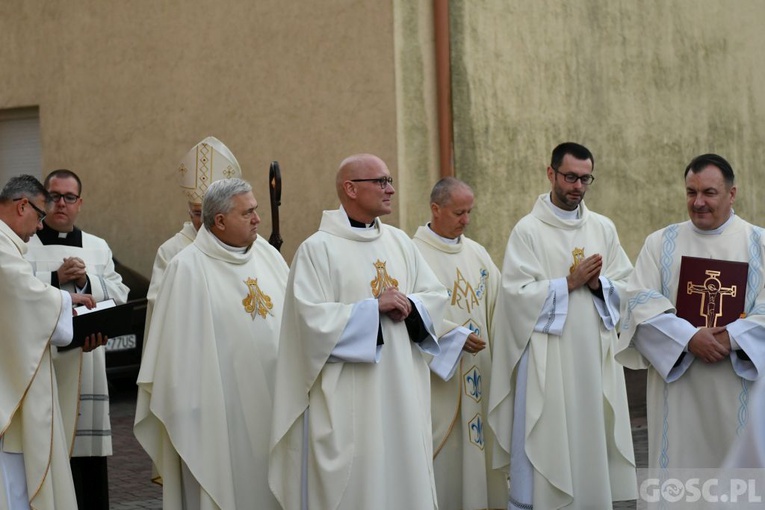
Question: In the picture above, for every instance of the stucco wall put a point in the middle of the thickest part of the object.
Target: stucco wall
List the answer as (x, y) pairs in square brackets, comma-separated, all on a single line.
[(126, 88), (645, 85)]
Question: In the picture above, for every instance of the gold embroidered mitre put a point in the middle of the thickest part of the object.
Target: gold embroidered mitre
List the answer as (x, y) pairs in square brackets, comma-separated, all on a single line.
[(206, 162)]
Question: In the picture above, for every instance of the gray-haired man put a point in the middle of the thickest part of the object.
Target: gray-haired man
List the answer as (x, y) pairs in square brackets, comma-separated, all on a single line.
[(206, 388)]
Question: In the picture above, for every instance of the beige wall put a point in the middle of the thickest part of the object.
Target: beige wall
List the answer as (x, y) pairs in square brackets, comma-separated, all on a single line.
[(126, 88), (645, 85)]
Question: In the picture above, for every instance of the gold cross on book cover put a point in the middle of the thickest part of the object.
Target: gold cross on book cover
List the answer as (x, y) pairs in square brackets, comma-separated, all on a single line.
[(711, 292)]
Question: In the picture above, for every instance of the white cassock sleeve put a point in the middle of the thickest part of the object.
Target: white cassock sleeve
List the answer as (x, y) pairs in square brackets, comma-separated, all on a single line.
[(662, 339), (445, 364), (554, 311), (62, 335), (552, 318), (608, 307), (358, 342), (428, 345), (747, 336)]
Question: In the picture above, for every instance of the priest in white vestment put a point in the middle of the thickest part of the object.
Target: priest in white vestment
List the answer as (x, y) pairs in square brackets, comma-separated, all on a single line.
[(352, 425), (462, 439), (748, 449), (70, 259), (206, 382), (34, 451), (559, 408), (699, 378), (205, 163)]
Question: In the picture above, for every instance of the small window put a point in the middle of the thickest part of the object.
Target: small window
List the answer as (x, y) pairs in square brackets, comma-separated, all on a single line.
[(20, 146)]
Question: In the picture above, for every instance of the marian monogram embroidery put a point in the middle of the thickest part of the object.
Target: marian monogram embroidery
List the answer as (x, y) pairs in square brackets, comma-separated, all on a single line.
[(578, 255), (462, 293), (383, 280), (257, 302)]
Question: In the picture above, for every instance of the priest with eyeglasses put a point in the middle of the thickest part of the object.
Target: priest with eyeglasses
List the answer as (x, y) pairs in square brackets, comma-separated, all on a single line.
[(558, 401), (34, 450), (70, 259), (352, 405)]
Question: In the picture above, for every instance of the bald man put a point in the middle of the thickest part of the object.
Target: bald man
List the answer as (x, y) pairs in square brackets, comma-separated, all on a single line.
[(352, 406)]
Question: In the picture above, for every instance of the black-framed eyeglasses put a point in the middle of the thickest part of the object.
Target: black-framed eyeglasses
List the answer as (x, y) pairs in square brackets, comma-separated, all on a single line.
[(40, 213), (69, 198), (571, 178), (382, 181)]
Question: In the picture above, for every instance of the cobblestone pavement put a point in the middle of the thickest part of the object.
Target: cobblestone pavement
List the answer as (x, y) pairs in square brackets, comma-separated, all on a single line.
[(130, 486)]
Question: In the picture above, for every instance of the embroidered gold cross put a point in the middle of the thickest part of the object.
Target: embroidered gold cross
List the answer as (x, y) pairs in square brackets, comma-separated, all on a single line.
[(712, 293), (257, 302)]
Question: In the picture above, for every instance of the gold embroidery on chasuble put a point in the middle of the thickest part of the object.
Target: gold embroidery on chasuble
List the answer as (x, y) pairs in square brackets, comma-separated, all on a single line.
[(257, 302), (464, 296), (383, 280), (578, 256)]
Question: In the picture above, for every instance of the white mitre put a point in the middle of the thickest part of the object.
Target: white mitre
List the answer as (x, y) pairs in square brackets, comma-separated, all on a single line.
[(208, 161)]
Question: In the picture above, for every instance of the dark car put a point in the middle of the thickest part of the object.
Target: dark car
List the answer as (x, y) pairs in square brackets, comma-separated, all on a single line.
[(123, 353)]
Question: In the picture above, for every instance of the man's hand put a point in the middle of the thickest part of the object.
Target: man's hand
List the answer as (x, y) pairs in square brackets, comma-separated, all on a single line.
[(473, 344), (83, 299), (394, 304), (723, 338), (705, 345), (73, 270), (587, 272), (94, 341)]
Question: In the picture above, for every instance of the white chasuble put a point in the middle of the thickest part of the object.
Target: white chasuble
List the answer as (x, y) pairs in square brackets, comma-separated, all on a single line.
[(165, 254), (462, 439), (577, 428), (81, 376), (30, 417), (368, 430), (694, 419), (206, 381)]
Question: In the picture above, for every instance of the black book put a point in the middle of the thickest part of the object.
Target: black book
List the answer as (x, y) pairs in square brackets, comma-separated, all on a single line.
[(107, 318)]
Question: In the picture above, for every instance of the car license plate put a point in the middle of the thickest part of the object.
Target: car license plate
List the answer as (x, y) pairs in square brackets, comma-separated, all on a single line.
[(121, 343)]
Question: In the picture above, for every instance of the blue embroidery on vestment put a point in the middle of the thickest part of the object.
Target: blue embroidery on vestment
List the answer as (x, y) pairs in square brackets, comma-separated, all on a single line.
[(473, 384), (476, 431), (667, 250), (663, 456), (641, 298), (754, 278), (551, 316), (743, 408)]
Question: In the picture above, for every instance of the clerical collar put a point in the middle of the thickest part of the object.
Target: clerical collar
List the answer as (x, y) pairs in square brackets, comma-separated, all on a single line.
[(562, 213), (445, 240), (719, 230), (359, 224), (356, 223), (228, 247), (49, 236)]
